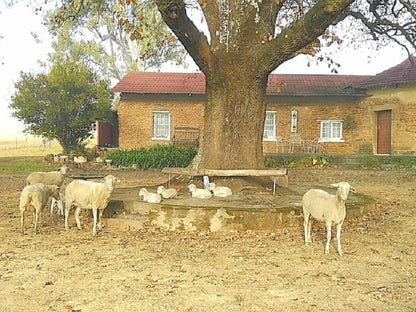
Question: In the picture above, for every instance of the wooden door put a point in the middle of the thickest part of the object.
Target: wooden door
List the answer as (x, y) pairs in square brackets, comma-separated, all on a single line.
[(384, 132)]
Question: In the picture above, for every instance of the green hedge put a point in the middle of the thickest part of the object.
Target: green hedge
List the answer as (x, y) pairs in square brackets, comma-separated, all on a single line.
[(155, 157)]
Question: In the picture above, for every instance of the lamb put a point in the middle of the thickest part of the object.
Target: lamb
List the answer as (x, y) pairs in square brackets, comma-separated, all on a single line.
[(199, 193), (150, 197), (167, 193), (89, 195), (220, 191), (34, 198), (59, 203), (328, 208)]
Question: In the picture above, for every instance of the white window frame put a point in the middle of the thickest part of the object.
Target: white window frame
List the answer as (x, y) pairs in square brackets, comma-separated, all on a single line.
[(156, 132), (271, 136), (332, 137)]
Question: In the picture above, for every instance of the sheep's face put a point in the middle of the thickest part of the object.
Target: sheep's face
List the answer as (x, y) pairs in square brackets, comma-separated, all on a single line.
[(344, 188), (54, 192), (160, 189), (192, 187), (211, 186), (142, 191), (63, 169), (110, 181)]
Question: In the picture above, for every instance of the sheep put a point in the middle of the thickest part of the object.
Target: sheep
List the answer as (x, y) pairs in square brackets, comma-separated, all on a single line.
[(328, 208), (149, 197), (167, 193), (199, 193), (89, 195), (59, 203), (48, 178), (34, 198), (220, 191)]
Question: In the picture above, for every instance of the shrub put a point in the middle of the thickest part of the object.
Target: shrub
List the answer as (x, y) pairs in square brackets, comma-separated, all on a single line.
[(370, 161), (155, 157)]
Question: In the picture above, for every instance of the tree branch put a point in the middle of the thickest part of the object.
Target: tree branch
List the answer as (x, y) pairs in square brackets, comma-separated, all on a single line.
[(195, 42), (302, 33)]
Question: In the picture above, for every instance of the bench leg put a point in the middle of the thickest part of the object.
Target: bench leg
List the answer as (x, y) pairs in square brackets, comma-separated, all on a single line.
[(274, 186), (205, 179)]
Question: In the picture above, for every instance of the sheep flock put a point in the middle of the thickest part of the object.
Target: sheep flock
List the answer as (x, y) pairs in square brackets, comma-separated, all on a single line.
[(95, 196)]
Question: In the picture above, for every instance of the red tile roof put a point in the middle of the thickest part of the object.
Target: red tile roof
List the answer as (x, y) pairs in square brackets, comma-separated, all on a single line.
[(405, 72), (279, 84)]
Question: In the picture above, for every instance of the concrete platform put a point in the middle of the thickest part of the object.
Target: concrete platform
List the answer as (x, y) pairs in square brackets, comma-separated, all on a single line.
[(240, 212)]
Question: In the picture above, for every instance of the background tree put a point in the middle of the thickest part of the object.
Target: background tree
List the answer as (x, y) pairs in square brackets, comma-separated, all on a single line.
[(110, 44), (246, 40), (63, 104)]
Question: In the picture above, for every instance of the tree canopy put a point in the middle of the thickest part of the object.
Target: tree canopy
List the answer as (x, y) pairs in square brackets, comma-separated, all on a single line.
[(63, 104), (245, 41), (110, 43)]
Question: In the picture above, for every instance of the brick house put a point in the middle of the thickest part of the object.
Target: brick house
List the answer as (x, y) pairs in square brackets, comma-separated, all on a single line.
[(345, 114)]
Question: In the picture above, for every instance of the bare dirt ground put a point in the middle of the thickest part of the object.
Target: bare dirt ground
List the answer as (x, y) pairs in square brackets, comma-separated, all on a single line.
[(154, 270)]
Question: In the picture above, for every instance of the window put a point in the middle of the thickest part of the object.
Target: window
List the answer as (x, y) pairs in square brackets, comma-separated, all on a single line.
[(269, 133), (331, 131), (161, 125)]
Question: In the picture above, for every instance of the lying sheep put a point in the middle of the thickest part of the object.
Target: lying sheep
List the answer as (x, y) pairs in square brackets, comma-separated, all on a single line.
[(167, 193), (88, 195), (328, 208), (220, 191), (150, 197), (199, 193), (34, 198)]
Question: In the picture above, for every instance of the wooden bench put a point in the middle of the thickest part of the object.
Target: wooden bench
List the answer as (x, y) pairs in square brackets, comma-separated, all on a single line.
[(279, 176), (185, 136)]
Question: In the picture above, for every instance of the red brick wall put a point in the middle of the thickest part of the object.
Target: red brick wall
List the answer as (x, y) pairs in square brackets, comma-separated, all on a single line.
[(136, 118)]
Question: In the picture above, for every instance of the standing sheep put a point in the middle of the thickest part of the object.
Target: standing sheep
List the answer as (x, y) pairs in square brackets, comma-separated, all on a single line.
[(49, 178), (88, 195), (34, 198), (328, 208)]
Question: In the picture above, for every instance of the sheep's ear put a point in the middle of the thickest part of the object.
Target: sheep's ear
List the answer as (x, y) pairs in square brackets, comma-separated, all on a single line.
[(335, 185), (353, 190)]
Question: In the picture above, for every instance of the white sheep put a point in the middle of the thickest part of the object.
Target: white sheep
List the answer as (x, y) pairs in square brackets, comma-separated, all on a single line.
[(167, 193), (34, 198), (220, 191), (328, 208), (59, 203), (199, 193), (48, 178), (150, 197), (89, 195)]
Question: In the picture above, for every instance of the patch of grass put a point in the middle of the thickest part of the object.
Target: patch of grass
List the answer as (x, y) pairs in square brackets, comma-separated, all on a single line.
[(23, 165), (370, 161)]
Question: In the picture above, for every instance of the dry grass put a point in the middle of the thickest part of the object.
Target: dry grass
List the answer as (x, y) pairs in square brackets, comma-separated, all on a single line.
[(21, 145)]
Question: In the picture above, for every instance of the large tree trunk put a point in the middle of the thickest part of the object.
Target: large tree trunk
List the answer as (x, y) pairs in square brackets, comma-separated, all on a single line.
[(234, 121)]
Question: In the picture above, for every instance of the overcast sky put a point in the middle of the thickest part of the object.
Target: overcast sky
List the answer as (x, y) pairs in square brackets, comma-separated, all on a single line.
[(19, 51)]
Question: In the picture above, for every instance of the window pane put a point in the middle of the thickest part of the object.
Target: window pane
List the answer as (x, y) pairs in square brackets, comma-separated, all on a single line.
[(325, 130), (269, 132), (336, 130), (161, 125)]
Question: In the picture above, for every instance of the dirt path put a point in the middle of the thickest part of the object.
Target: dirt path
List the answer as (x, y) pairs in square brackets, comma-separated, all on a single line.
[(153, 270)]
